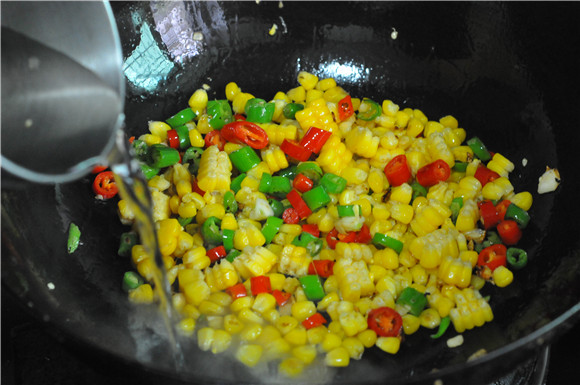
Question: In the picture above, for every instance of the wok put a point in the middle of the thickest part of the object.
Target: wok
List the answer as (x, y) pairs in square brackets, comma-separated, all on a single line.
[(507, 71)]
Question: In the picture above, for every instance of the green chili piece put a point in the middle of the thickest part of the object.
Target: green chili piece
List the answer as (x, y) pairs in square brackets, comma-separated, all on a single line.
[(210, 231), (259, 111), (128, 240), (348, 210), (233, 254), (288, 172), (74, 238), (369, 110), (192, 156), (312, 286), (311, 170), (384, 241), (412, 300), (291, 109), (236, 184), (479, 149), (518, 214), (141, 150), (230, 203), (148, 171), (271, 228), (280, 186), (163, 156), (418, 190), (228, 239), (265, 185), (332, 183), (245, 159), (277, 206), (455, 207), (316, 198), (460, 166), (445, 321), (517, 258), (309, 242), (182, 117), (184, 221), (219, 113), (183, 135), (132, 280)]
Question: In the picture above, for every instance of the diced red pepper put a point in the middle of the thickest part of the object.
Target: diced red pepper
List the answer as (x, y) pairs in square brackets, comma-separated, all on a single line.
[(295, 150), (314, 139), (302, 183), (281, 297), (298, 203), (132, 139), (104, 185), (386, 322), (312, 229), (363, 235), (216, 253), (509, 232), (260, 284), (397, 170), (491, 258), (488, 213), (314, 320), (239, 117), (345, 108), (484, 175), (173, 138), (244, 132), (215, 138), (433, 173), (98, 168), (290, 216), (237, 291), (333, 237), (196, 188), (321, 267), (501, 208)]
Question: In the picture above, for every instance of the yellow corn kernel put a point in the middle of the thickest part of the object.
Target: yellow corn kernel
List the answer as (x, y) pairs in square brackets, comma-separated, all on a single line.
[(361, 141), (209, 308), (297, 94), (232, 324), (232, 89), (264, 302), (254, 261), (411, 323), (523, 200), (291, 367), (296, 336), (167, 232), (229, 222), (430, 318), (316, 335), (142, 294), (159, 182), (325, 84), (401, 212), (441, 303), (468, 216), (449, 121), (353, 279), (469, 256), (354, 347), (367, 337), (327, 300), (334, 156), (438, 148), (251, 332), (159, 129), (196, 292), (242, 303), (198, 101), (248, 316), (432, 127), (335, 94), (195, 138), (249, 354), (387, 258), (389, 345), (462, 153), (196, 258), (239, 102), (502, 276), (455, 271), (294, 260), (277, 133), (303, 309), (214, 170), (305, 353), (275, 158), (150, 139), (414, 127), (402, 193), (497, 188), (307, 80), (221, 275), (352, 323), (500, 164)]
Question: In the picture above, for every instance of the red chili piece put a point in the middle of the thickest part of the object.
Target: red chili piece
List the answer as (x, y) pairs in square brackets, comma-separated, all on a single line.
[(488, 213), (386, 322), (433, 173), (509, 232), (290, 216), (98, 168), (333, 237), (345, 108), (295, 150), (215, 138), (397, 170), (173, 139), (501, 208), (298, 203), (302, 183), (484, 175), (104, 185), (321, 267), (196, 188), (244, 132), (312, 229), (281, 297), (492, 256), (363, 235), (260, 284), (237, 291), (314, 139), (216, 253), (314, 320)]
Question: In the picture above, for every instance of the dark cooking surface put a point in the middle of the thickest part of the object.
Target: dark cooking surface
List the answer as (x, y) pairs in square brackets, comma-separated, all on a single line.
[(33, 356)]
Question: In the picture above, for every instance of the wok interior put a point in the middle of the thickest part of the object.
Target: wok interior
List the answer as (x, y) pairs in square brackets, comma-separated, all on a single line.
[(478, 62)]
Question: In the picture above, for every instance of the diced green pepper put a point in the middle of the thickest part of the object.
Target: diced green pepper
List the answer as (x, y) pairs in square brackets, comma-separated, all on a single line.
[(183, 135), (230, 203), (348, 210), (132, 280), (309, 242), (162, 156), (332, 183), (280, 186), (182, 117), (288, 172), (277, 206), (443, 326), (233, 254), (312, 286), (148, 171), (455, 207), (291, 109), (184, 221), (74, 238), (479, 149), (369, 110), (141, 150), (311, 170), (460, 166), (418, 190), (413, 300), (265, 183), (219, 113), (518, 214), (517, 258), (316, 198), (271, 228), (210, 231), (236, 184), (192, 156), (383, 241), (128, 240), (258, 111), (228, 239), (245, 159)]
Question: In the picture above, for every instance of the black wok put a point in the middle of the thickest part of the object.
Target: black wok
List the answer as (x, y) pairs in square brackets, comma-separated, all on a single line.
[(507, 71)]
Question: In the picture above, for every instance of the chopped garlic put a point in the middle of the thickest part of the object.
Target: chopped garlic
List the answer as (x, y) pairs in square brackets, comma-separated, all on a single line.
[(549, 180), (455, 341)]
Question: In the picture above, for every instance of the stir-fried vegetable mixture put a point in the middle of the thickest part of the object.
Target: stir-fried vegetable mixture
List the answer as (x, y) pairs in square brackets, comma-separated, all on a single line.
[(318, 224)]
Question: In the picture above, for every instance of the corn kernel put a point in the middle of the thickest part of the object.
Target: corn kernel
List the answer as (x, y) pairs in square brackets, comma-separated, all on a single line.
[(389, 344)]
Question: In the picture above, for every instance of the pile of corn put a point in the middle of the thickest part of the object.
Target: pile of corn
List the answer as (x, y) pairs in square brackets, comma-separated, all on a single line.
[(437, 258)]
